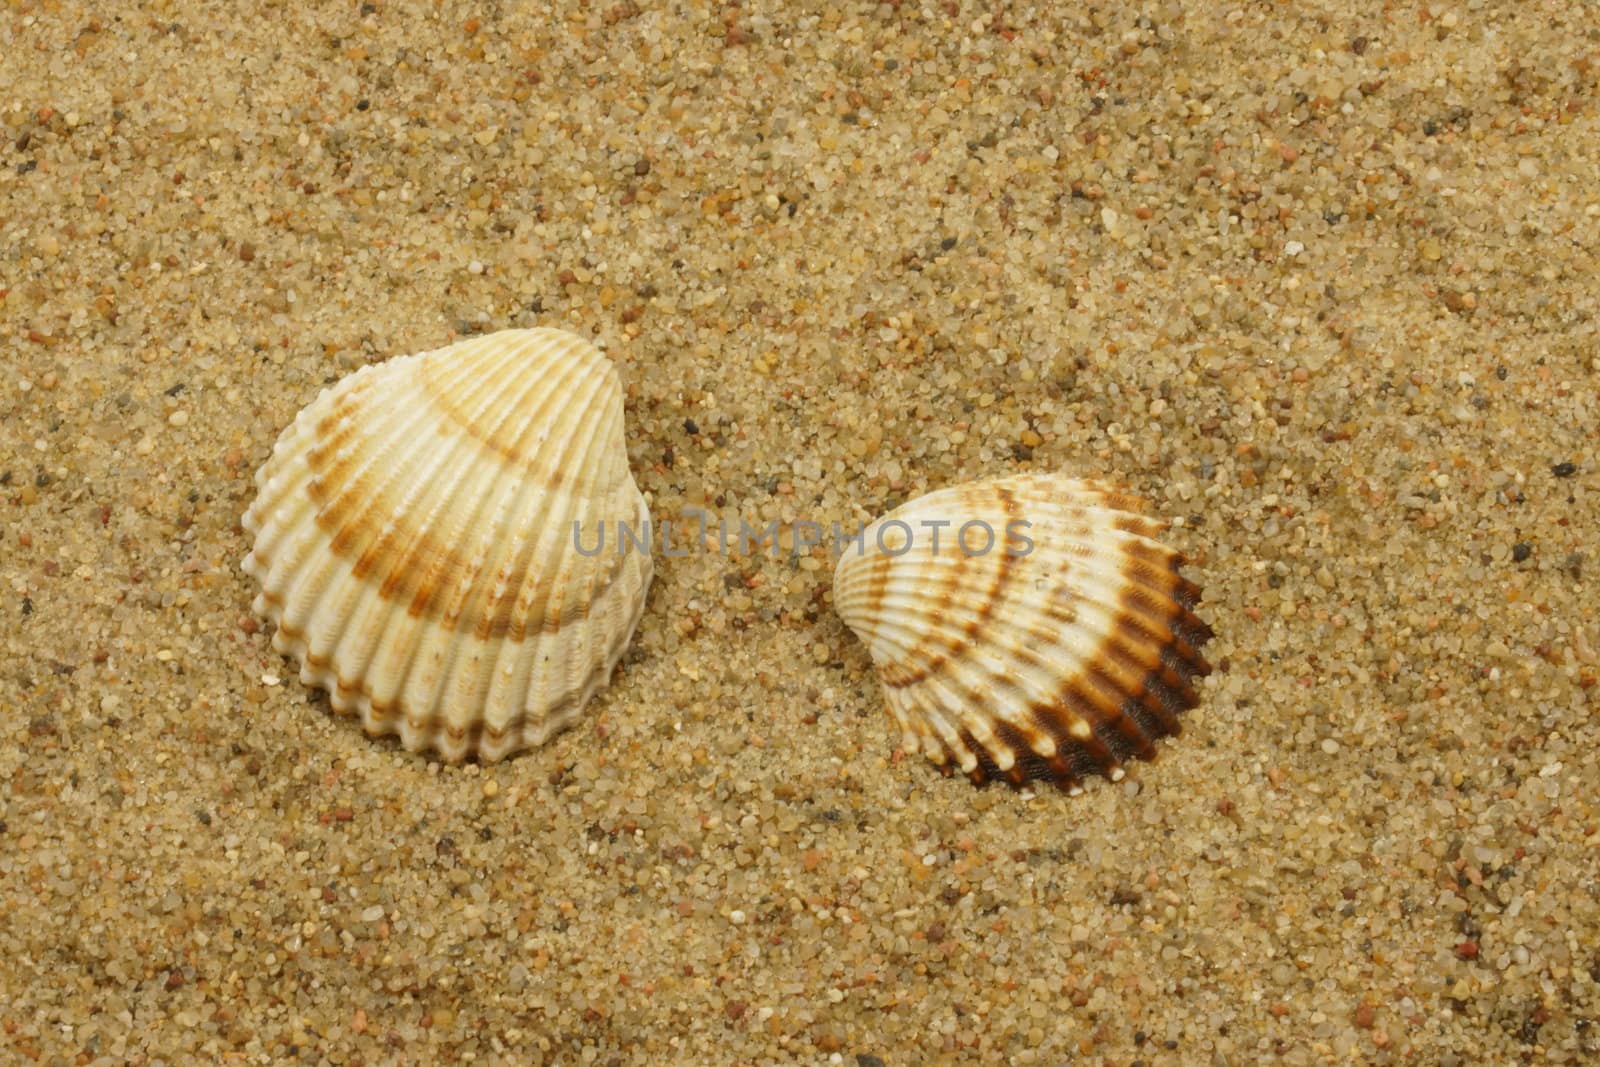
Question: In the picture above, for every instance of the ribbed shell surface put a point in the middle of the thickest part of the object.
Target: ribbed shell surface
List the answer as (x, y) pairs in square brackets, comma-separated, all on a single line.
[(1061, 648), (415, 541)]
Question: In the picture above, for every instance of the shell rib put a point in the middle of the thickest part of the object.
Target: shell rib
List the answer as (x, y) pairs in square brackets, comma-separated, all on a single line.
[(1065, 648), (415, 542)]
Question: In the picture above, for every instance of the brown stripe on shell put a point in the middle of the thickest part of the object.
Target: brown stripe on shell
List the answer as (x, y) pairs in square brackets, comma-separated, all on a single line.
[(350, 505), (1078, 706), (1111, 703), (1185, 592), (899, 678), (558, 711), (1026, 763), (462, 739), (421, 567), (1075, 757), (877, 578), (350, 493), (383, 719), (941, 599), (512, 446), (1150, 701), (1121, 732), (1126, 711), (984, 770), (1156, 568), (428, 570), (537, 616), (1165, 615)]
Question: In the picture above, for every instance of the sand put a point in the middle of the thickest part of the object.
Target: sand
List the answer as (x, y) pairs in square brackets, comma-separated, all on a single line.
[(1319, 284)]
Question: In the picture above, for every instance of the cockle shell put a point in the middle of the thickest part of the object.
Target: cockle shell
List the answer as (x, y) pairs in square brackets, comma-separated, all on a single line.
[(416, 535), (1059, 643)]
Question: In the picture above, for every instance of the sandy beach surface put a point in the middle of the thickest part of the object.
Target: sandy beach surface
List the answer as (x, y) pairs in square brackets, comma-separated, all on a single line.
[(1319, 281)]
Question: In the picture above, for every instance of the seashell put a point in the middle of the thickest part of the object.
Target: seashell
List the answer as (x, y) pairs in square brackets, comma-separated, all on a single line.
[(1061, 642), (416, 544)]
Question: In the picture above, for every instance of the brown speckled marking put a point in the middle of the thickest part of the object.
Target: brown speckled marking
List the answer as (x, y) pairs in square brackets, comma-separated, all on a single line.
[(1117, 500), (1128, 522)]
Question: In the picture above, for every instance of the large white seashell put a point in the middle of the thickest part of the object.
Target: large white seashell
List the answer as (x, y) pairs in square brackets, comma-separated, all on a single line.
[(1062, 648), (415, 541)]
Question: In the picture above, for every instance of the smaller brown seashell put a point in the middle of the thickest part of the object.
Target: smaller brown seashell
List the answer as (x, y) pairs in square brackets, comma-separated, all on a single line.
[(1045, 635)]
